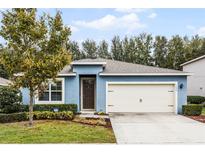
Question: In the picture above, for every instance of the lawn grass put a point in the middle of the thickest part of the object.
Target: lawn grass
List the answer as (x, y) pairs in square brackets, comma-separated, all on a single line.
[(203, 111), (54, 132)]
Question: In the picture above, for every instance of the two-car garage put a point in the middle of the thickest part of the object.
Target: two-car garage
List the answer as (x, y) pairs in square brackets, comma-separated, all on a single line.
[(141, 97)]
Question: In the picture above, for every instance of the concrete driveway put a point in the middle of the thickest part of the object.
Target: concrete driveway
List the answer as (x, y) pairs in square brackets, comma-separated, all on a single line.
[(156, 128)]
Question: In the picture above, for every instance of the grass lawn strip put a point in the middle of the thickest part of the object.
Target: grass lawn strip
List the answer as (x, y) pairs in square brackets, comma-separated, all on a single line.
[(55, 131)]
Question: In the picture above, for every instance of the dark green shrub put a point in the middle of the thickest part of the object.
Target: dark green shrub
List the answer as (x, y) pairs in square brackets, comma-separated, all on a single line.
[(38, 115), (12, 108), (10, 99), (192, 109), (13, 117), (195, 99), (51, 107)]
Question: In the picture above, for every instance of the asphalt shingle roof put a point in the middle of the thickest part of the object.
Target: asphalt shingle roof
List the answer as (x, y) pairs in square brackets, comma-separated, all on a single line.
[(4, 81), (113, 66)]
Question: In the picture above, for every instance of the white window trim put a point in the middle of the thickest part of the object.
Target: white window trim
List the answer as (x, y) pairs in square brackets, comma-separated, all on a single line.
[(37, 101), (144, 83)]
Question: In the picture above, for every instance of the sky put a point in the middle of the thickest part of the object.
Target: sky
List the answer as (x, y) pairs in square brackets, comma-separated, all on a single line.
[(99, 24)]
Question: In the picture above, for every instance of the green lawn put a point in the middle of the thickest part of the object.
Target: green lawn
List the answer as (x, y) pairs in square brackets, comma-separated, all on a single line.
[(54, 132), (203, 111)]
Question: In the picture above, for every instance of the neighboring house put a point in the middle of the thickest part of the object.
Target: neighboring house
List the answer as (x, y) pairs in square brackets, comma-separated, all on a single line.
[(196, 82), (4, 82), (114, 86)]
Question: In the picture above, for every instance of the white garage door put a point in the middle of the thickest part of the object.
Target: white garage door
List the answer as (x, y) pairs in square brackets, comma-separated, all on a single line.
[(141, 97)]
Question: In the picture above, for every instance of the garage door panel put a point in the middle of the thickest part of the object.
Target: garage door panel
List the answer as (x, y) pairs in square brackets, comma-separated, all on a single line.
[(140, 98)]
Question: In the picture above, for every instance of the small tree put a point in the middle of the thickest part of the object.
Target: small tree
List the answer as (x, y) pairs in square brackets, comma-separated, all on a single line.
[(35, 47)]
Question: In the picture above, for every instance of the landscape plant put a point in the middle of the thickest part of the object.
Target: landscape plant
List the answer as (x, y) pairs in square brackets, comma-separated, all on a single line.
[(34, 50)]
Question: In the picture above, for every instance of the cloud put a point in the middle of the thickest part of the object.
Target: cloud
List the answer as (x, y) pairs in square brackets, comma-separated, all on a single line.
[(129, 22), (130, 10), (102, 23), (152, 15), (73, 28), (197, 31), (190, 27), (201, 31)]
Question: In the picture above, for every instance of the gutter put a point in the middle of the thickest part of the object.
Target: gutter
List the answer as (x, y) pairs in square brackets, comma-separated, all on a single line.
[(145, 74)]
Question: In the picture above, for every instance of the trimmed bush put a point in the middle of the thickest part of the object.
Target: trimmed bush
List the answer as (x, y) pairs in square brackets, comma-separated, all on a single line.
[(38, 115), (65, 115), (50, 107), (195, 99), (13, 117), (192, 109)]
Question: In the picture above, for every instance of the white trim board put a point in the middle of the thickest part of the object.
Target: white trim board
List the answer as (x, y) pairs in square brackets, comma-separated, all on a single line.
[(88, 63), (67, 74), (59, 74), (145, 83), (145, 74), (4, 84), (53, 102), (193, 60)]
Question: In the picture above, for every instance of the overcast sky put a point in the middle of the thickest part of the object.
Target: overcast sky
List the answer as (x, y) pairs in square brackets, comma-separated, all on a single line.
[(98, 24)]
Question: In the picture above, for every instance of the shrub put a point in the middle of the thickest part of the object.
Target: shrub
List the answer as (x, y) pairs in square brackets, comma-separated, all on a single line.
[(65, 115), (13, 117), (38, 115), (10, 99), (51, 107), (192, 109), (195, 99), (100, 113)]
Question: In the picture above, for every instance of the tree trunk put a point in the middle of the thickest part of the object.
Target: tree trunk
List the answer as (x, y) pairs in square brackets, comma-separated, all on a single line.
[(31, 109)]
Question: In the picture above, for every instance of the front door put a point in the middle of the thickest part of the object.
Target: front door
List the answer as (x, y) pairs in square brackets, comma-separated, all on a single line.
[(88, 93)]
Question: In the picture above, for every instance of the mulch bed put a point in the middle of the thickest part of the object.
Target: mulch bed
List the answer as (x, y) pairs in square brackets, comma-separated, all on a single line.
[(200, 118), (93, 121)]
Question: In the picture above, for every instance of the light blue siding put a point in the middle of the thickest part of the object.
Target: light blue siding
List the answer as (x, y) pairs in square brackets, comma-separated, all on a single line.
[(72, 86), (25, 95)]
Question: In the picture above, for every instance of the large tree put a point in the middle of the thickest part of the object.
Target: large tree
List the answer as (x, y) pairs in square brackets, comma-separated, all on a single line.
[(160, 51), (35, 49), (3, 72), (103, 50), (116, 49), (74, 49), (144, 43), (89, 48), (176, 53)]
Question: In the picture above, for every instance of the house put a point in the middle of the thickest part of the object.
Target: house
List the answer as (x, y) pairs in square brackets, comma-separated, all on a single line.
[(114, 86), (4, 82), (196, 82)]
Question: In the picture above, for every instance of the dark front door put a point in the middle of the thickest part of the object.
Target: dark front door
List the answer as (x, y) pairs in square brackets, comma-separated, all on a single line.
[(88, 93)]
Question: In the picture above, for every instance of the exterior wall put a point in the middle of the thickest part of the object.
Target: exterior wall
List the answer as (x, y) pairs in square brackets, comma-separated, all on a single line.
[(101, 95), (72, 86), (196, 82), (25, 95)]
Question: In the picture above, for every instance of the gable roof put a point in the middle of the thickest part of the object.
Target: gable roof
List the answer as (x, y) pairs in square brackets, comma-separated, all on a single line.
[(113, 67), (4, 82), (193, 60)]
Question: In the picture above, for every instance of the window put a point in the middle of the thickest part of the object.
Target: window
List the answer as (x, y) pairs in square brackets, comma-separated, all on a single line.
[(53, 93), (56, 91)]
